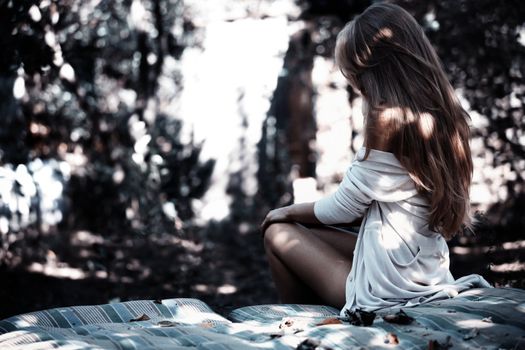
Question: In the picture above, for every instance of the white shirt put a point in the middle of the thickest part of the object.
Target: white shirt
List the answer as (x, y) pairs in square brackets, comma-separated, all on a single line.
[(397, 259)]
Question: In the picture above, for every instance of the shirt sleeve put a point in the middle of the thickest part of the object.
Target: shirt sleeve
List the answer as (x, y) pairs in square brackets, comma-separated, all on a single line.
[(364, 182), (346, 204)]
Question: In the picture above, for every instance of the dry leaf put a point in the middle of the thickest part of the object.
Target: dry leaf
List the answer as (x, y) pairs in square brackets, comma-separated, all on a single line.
[(391, 338), (293, 325), (167, 323), (399, 317), (286, 322), (158, 301), (331, 320), (360, 317), (143, 317)]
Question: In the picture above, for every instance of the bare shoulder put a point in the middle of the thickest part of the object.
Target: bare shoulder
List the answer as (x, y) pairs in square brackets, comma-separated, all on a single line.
[(380, 130)]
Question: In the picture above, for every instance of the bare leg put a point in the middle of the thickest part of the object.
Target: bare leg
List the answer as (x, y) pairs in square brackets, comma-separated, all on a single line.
[(290, 288), (343, 242), (299, 257)]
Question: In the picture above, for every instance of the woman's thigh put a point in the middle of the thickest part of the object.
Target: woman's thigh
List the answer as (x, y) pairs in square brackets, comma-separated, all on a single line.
[(317, 263), (342, 241)]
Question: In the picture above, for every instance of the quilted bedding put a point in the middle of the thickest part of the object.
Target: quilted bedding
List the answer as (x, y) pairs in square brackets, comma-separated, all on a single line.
[(490, 318)]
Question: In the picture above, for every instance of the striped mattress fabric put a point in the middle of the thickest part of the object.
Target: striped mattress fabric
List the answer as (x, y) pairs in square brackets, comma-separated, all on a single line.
[(490, 318)]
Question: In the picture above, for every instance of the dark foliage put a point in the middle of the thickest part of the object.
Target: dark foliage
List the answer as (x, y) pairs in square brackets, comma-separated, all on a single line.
[(89, 116), (79, 85)]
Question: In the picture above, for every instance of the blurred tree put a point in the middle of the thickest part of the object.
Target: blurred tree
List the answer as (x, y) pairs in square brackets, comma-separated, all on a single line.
[(289, 126), (80, 84)]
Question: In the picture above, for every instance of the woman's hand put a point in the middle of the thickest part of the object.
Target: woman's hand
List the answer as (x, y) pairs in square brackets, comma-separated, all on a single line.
[(275, 215), (302, 212)]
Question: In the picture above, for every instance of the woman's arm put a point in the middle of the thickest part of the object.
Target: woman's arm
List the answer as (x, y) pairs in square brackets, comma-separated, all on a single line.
[(301, 212)]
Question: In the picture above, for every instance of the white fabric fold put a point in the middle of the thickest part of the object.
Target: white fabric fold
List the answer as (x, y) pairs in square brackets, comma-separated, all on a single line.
[(397, 260)]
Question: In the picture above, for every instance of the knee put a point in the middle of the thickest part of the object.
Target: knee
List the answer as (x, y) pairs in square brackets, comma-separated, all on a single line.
[(276, 235)]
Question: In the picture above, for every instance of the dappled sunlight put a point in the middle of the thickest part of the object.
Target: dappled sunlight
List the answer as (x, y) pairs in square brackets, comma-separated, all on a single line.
[(383, 33), (393, 239), (201, 288), (283, 239), (389, 241), (472, 292), (85, 238), (62, 270), (281, 310), (387, 114), (226, 289), (343, 334), (473, 323), (427, 124), (187, 316), (457, 143), (190, 245), (26, 339), (27, 320), (508, 267), (21, 187), (384, 180)]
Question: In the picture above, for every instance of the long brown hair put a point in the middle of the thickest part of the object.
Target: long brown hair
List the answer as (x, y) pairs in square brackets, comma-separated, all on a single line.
[(385, 54)]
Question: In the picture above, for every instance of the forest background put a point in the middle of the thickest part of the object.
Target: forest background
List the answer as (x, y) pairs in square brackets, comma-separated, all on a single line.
[(142, 141)]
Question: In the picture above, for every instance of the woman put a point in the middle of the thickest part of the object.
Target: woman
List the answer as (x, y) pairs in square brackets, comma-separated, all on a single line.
[(407, 188)]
